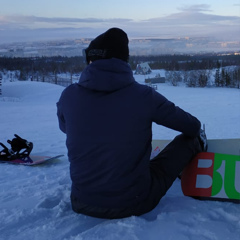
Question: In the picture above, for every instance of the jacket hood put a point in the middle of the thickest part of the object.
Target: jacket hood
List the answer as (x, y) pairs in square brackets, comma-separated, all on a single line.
[(106, 75)]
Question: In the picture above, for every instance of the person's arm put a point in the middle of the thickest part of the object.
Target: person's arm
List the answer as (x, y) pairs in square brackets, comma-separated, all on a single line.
[(167, 114)]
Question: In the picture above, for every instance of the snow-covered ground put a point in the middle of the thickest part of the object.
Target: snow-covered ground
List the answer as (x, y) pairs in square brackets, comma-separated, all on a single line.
[(34, 201)]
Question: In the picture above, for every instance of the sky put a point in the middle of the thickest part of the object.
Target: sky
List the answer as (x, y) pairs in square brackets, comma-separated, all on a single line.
[(29, 20)]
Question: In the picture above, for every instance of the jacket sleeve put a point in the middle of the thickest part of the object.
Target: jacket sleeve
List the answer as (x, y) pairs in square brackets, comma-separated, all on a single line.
[(167, 114), (61, 119)]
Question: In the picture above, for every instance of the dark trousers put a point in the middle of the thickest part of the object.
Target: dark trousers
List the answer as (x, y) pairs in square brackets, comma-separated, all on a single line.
[(164, 168)]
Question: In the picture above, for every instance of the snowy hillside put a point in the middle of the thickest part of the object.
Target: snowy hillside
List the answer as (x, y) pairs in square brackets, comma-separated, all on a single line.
[(34, 201)]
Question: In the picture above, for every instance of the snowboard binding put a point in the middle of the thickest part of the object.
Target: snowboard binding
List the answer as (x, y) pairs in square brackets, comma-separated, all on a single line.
[(20, 148), (203, 139)]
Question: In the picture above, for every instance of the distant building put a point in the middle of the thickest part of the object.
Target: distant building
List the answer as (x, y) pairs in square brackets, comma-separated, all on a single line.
[(156, 79), (143, 68)]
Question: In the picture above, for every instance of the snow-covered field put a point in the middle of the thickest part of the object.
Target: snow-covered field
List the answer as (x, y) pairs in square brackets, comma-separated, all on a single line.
[(34, 201)]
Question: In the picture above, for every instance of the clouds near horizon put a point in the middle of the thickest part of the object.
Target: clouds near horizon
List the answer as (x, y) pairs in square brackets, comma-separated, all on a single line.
[(189, 20)]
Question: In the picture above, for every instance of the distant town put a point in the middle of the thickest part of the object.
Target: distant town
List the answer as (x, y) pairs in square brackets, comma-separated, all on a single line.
[(138, 47)]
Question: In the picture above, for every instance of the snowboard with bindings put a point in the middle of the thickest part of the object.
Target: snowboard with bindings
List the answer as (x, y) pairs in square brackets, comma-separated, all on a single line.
[(19, 153), (32, 160)]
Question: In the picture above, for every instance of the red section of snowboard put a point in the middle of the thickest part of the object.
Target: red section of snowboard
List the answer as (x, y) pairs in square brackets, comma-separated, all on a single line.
[(190, 173)]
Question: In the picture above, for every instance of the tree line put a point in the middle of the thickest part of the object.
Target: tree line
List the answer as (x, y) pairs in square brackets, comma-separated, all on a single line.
[(222, 77), (191, 69), (41, 66), (186, 62)]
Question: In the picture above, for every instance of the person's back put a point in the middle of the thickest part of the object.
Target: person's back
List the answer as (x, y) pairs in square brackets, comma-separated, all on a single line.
[(107, 118), (109, 136)]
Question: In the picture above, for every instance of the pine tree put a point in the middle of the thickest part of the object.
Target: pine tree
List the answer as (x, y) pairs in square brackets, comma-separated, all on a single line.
[(23, 75), (227, 79), (202, 80), (222, 78), (217, 77)]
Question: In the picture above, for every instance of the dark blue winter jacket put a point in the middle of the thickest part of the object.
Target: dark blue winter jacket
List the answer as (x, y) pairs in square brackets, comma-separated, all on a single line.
[(107, 118)]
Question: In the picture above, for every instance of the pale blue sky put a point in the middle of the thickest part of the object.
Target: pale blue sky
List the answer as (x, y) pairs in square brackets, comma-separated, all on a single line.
[(32, 20)]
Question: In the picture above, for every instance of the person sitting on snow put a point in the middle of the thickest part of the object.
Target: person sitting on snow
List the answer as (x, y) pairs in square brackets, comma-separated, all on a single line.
[(107, 117)]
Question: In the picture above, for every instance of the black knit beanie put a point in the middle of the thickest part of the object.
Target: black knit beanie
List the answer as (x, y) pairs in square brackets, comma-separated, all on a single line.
[(111, 44)]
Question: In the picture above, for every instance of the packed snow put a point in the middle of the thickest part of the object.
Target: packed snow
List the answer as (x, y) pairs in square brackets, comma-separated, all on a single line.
[(34, 201)]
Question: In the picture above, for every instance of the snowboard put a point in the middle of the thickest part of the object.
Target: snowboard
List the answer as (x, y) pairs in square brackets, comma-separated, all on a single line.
[(212, 175), (224, 146), (31, 160)]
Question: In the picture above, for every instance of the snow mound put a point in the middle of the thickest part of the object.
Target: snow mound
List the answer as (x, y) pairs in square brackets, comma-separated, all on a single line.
[(31, 91), (35, 202)]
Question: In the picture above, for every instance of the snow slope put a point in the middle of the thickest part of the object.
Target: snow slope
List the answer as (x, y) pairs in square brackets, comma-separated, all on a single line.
[(34, 201)]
